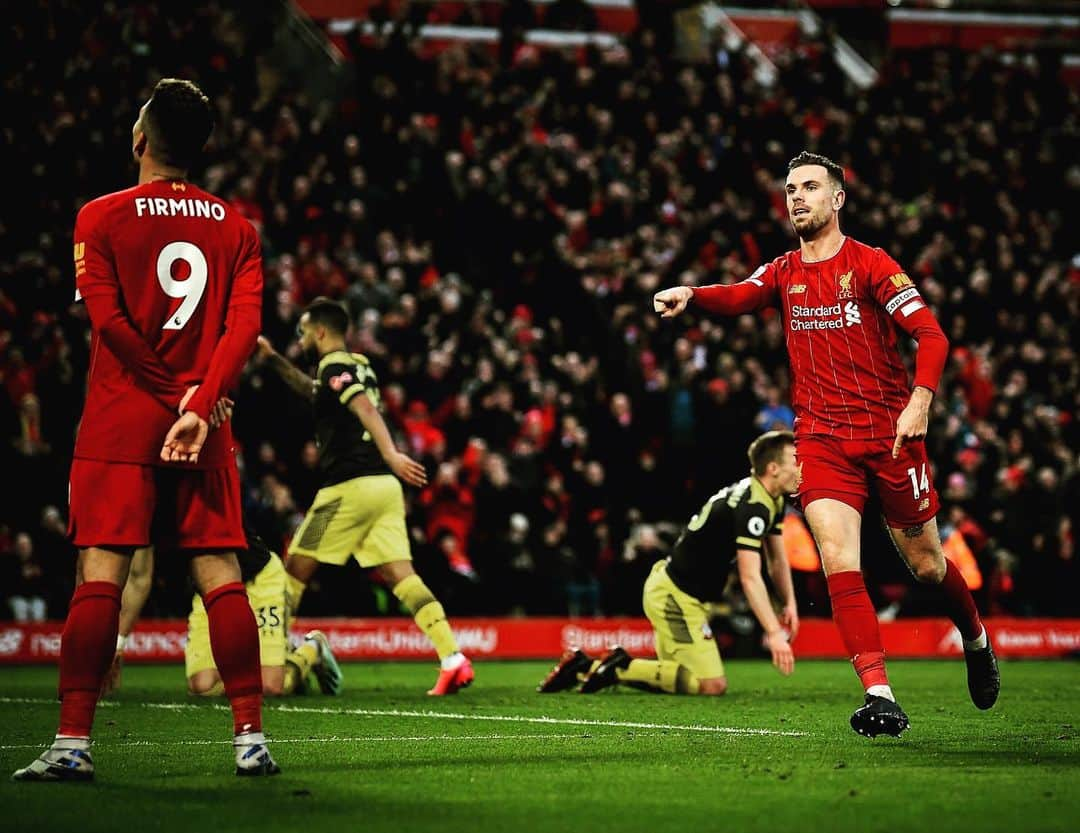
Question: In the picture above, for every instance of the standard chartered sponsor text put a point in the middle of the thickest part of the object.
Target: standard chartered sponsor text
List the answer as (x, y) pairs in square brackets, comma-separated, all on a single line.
[(592, 639)]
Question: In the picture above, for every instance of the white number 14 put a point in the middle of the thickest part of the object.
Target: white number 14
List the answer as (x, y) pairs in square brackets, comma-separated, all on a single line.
[(191, 290), (919, 484)]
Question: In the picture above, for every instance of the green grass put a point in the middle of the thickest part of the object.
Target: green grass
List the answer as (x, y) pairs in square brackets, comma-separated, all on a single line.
[(356, 767)]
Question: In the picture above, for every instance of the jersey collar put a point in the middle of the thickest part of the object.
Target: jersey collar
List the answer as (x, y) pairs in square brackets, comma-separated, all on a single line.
[(760, 494), (335, 356)]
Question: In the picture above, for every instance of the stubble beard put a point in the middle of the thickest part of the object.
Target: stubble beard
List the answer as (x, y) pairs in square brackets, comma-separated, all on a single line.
[(811, 230)]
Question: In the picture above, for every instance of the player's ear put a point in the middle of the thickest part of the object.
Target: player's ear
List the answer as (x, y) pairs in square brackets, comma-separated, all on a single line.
[(139, 147), (839, 198)]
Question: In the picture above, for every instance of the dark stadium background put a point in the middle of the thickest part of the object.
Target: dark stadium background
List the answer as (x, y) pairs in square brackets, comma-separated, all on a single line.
[(497, 214)]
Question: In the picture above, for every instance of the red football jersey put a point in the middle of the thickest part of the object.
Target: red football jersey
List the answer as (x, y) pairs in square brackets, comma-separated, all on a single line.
[(848, 378), (168, 272)]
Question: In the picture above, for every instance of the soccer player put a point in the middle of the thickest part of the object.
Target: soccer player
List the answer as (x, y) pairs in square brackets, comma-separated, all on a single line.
[(172, 279), (728, 533), (858, 420), (360, 510), (283, 671)]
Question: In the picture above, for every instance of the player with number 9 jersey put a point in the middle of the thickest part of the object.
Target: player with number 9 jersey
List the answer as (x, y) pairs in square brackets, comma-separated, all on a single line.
[(172, 281), (183, 268)]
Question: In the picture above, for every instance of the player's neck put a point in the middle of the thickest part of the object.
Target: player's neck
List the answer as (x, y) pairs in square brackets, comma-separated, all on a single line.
[(326, 348), (153, 171), (823, 246), (770, 484)]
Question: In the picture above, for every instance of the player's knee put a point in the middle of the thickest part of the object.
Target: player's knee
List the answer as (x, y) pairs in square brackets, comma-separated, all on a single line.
[(395, 572), (929, 570), (713, 687), (273, 687), (205, 685), (301, 567), (837, 557)]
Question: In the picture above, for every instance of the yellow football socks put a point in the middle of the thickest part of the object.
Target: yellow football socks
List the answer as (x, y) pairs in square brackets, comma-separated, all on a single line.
[(294, 591), (297, 665), (428, 613), (659, 675)]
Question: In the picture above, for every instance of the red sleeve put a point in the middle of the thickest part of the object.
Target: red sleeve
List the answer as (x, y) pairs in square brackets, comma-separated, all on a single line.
[(895, 291), (96, 282), (755, 292), (933, 347), (242, 324)]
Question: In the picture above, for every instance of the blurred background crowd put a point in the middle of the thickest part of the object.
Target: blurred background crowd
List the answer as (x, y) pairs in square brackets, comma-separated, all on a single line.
[(497, 221)]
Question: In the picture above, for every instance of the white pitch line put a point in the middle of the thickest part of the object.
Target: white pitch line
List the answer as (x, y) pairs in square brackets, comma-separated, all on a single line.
[(435, 715), (53, 701), (556, 721), (330, 739)]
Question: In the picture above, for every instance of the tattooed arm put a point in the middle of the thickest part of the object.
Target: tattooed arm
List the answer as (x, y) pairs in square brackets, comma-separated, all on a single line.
[(295, 378)]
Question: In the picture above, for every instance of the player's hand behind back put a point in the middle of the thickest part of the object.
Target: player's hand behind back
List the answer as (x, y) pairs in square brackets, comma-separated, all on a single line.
[(221, 412), (672, 302), (406, 468), (185, 439)]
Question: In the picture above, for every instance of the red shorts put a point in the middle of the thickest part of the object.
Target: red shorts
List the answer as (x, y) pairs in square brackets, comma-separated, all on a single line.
[(134, 505), (843, 469)]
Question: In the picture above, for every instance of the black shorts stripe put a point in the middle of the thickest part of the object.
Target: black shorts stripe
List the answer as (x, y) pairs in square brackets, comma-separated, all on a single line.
[(676, 620), (320, 520)]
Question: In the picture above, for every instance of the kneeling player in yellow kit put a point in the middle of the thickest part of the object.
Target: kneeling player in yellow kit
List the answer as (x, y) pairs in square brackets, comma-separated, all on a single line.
[(284, 671), (729, 532)]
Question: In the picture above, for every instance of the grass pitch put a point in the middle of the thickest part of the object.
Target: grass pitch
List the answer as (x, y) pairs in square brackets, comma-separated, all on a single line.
[(773, 755)]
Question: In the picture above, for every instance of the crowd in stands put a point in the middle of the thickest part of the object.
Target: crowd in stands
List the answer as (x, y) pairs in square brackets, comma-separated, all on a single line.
[(496, 223)]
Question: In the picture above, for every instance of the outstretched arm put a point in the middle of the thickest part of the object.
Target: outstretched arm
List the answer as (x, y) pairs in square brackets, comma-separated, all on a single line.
[(746, 296), (298, 381)]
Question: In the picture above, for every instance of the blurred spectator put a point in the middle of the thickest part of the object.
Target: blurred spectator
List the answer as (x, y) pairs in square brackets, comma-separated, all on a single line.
[(24, 584)]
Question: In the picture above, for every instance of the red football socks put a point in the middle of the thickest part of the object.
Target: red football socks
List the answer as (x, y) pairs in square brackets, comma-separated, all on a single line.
[(86, 651), (959, 605), (855, 618), (234, 641)]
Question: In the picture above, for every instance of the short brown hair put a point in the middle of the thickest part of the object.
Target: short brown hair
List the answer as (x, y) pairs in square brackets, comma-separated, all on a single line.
[(768, 448), (328, 313), (836, 173), (177, 122)]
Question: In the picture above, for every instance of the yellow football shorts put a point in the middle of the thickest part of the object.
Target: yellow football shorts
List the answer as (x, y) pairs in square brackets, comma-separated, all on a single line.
[(363, 518), (266, 593), (681, 625)]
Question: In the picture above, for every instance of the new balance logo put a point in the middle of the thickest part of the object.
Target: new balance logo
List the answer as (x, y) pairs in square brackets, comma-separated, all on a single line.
[(797, 289), (852, 316)]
